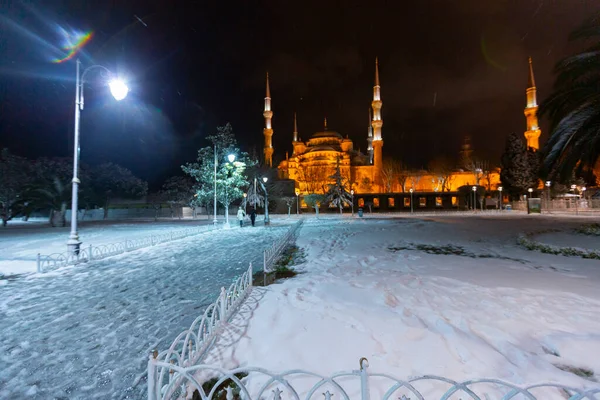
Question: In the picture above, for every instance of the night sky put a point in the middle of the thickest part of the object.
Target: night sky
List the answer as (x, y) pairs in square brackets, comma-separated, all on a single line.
[(193, 65)]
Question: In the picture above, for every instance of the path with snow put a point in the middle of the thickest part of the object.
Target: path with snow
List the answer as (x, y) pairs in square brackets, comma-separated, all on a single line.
[(86, 331), (376, 288)]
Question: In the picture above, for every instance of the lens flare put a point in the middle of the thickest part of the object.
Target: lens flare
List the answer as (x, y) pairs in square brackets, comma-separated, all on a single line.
[(73, 48)]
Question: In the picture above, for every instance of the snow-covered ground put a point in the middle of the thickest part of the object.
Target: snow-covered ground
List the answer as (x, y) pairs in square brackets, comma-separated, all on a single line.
[(21, 241), (375, 288), (85, 332)]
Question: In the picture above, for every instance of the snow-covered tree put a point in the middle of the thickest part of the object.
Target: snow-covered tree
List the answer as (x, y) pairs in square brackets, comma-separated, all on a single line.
[(520, 167), (315, 201), (443, 169), (389, 172), (289, 202), (231, 176), (14, 179), (338, 195)]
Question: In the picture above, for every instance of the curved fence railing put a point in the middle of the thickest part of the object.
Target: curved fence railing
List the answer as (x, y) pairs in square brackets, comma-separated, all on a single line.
[(53, 261), (258, 383), (191, 345), (272, 253)]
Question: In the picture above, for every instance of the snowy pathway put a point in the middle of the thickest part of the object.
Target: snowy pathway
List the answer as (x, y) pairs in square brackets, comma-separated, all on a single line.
[(86, 331)]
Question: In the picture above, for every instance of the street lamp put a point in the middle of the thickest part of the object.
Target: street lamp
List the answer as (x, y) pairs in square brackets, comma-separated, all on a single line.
[(297, 201), (530, 190), (352, 196), (215, 189), (231, 159), (500, 195), (265, 179), (474, 198), (411, 200), (119, 91), (245, 203)]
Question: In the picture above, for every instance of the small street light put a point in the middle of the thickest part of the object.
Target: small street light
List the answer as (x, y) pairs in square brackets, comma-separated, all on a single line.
[(500, 195), (119, 91), (411, 200), (265, 179), (352, 202), (297, 201), (245, 203), (474, 198)]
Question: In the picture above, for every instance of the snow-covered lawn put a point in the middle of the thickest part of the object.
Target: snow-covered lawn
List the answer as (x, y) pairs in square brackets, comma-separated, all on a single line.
[(395, 291), (21, 241), (85, 332), (569, 239)]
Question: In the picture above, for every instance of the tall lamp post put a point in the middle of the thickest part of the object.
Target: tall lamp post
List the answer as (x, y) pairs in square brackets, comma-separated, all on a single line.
[(474, 198), (245, 203), (231, 159), (530, 190), (264, 180), (411, 200), (119, 91), (352, 199), (297, 201)]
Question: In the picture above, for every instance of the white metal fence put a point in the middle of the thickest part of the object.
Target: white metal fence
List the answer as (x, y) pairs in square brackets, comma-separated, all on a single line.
[(191, 345), (271, 254), (89, 253), (261, 384)]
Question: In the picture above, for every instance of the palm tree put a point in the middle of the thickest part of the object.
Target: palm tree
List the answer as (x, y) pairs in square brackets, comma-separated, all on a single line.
[(54, 196), (574, 108)]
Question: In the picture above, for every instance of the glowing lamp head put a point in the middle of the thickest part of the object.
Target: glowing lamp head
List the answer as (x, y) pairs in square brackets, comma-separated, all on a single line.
[(411, 190), (530, 190), (352, 192), (265, 179), (118, 89), (245, 195), (231, 158), (474, 188), (548, 183), (499, 188)]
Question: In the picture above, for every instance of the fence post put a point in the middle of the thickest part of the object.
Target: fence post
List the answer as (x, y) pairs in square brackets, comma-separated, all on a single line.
[(39, 265), (223, 303), (152, 376), (250, 275), (265, 268), (364, 379), (90, 253)]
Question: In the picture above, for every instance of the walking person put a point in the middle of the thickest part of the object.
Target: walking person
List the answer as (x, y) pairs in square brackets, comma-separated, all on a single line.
[(240, 216), (253, 215)]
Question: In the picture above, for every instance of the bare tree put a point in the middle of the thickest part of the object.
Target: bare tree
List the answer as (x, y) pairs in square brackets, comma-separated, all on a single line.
[(289, 202), (442, 169), (478, 168), (389, 171), (414, 178)]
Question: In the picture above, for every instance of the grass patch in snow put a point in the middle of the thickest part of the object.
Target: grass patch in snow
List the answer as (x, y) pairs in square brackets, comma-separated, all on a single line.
[(527, 242), (582, 372), (221, 390), (292, 255), (448, 250), (590, 230)]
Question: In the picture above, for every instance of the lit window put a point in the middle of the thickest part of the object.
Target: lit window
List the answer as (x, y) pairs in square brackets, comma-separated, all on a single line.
[(303, 203), (422, 201), (361, 202), (454, 200), (391, 202), (407, 202), (376, 202), (438, 201)]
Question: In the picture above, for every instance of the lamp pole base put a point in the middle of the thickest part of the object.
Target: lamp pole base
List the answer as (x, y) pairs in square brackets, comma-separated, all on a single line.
[(73, 246)]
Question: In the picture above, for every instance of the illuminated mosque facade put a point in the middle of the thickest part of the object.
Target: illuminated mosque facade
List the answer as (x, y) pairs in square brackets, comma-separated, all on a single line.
[(312, 162)]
